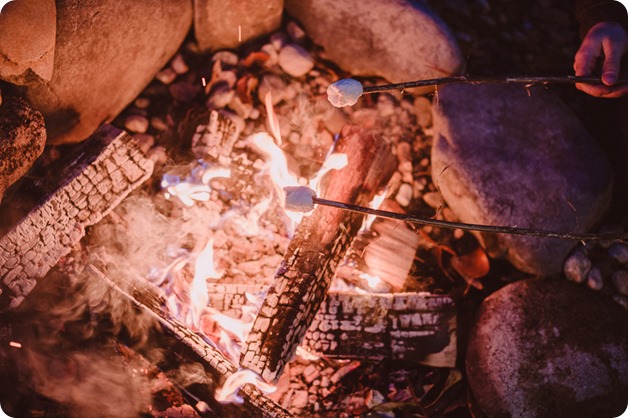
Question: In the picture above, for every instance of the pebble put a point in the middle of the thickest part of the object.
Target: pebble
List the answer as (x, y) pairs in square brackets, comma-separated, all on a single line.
[(184, 91), (178, 65), (145, 142), (621, 301), (166, 76), (158, 155), (295, 60), (433, 199), (295, 32), (404, 195), (620, 281), (278, 40), (595, 279), (158, 123), (300, 399), (142, 102), (311, 373), (577, 266), (619, 252), (136, 123), (423, 111), (220, 96), (273, 56), (227, 58)]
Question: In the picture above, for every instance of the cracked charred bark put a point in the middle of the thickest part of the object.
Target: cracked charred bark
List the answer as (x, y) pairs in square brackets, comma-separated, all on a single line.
[(319, 244)]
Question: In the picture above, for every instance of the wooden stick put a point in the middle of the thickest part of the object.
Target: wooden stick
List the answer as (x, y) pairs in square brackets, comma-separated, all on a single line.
[(567, 79), (147, 299), (319, 244)]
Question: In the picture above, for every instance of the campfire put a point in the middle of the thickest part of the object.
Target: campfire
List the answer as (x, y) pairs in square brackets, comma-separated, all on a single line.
[(252, 236), (208, 252)]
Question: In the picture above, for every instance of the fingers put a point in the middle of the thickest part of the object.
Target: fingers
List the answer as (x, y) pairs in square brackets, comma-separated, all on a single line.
[(607, 41)]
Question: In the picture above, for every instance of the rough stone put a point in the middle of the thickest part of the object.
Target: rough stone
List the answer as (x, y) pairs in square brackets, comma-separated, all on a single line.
[(577, 266), (620, 281), (398, 40), (544, 348), (515, 156), (105, 54), (22, 140), (27, 41), (228, 24)]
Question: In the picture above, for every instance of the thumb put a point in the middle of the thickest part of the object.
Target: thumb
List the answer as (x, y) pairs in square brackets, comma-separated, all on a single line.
[(612, 64)]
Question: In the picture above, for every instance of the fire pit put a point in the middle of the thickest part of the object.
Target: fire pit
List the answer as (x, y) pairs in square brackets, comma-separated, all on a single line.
[(156, 269)]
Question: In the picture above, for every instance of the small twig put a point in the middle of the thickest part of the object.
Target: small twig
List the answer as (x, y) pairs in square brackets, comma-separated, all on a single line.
[(567, 79), (471, 227)]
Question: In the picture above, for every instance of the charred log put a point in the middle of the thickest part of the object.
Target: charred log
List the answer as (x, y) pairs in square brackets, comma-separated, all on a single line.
[(104, 170), (319, 244)]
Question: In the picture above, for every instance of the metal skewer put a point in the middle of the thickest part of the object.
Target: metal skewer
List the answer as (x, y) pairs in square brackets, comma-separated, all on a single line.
[(568, 79), (470, 227)]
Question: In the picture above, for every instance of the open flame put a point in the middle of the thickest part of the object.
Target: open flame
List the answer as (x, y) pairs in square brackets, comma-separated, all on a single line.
[(228, 393)]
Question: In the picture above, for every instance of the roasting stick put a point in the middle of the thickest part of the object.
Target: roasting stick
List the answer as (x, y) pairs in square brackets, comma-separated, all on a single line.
[(347, 91), (302, 199), (255, 402)]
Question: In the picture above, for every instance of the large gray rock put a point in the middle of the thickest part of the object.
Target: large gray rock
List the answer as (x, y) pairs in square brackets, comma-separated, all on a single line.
[(106, 52), (549, 349), (226, 24), (399, 40), (22, 139), (27, 41), (507, 155)]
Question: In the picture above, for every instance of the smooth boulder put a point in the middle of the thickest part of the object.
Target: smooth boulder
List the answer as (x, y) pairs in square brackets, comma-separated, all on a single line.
[(544, 348), (22, 139), (398, 40), (515, 156), (226, 24), (105, 54), (27, 41)]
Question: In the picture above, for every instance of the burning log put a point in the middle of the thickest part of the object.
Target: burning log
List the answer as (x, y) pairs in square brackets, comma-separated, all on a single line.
[(146, 298), (417, 326), (105, 169), (319, 244)]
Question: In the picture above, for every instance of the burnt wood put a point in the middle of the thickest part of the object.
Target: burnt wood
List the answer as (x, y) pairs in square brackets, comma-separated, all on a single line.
[(99, 174), (319, 244)]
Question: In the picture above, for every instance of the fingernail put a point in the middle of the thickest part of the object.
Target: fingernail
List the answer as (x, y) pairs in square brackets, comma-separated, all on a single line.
[(609, 78)]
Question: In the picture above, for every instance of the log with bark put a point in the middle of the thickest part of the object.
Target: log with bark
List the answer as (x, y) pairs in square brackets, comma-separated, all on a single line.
[(75, 194), (413, 326), (147, 298), (319, 244)]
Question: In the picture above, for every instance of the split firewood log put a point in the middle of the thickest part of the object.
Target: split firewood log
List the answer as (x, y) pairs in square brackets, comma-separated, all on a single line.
[(319, 244)]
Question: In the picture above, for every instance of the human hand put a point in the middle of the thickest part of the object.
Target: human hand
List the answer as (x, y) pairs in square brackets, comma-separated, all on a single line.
[(607, 41)]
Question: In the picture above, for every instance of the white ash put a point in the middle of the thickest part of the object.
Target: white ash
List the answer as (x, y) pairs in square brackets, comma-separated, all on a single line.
[(299, 199), (345, 92)]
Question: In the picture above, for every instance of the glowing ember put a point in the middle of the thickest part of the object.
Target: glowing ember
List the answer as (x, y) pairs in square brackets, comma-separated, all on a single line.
[(228, 393), (15, 344)]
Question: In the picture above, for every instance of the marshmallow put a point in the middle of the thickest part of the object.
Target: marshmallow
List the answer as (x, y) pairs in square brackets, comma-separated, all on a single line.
[(345, 92), (299, 199)]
